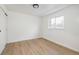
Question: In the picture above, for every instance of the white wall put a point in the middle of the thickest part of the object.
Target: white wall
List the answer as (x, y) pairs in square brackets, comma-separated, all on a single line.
[(69, 37), (3, 26), (22, 27)]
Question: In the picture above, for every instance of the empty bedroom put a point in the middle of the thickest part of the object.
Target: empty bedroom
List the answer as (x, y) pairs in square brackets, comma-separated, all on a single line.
[(39, 29)]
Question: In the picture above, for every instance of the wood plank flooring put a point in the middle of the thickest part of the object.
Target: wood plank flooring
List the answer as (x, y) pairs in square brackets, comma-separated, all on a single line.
[(38, 46)]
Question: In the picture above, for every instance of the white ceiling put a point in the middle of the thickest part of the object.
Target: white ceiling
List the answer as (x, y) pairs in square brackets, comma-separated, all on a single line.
[(44, 9)]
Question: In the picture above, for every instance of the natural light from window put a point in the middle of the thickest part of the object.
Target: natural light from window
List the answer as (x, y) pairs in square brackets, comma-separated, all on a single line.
[(57, 22)]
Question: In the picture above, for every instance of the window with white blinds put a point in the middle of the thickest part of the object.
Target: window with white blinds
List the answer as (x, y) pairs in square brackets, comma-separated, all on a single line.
[(57, 22)]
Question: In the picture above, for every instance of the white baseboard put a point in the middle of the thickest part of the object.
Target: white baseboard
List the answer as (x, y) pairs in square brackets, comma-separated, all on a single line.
[(76, 50), (24, 38), (2, 49), (39, 36)]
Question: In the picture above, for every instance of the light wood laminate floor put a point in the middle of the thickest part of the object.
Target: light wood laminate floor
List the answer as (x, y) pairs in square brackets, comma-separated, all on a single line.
[(38, 46)]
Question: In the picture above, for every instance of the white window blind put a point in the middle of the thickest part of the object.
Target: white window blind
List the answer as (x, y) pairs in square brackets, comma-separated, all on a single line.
[(57, 22)]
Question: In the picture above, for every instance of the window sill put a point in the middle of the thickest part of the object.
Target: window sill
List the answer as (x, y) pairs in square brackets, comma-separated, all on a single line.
[(56, 28)]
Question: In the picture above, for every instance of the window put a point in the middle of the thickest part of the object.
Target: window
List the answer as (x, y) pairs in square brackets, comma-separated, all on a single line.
[(57, 22)]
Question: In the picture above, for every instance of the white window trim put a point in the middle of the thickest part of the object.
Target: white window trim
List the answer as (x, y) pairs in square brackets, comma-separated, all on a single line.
[(50, 25)]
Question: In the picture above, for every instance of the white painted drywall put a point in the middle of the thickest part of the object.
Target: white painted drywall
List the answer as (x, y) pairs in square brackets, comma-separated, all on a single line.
[(3, 26), (69, 37), (22, 26)]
